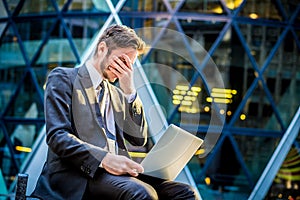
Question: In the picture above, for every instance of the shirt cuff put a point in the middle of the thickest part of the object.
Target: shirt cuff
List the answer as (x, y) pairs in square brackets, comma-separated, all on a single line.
[(101, 166), (131, 97)]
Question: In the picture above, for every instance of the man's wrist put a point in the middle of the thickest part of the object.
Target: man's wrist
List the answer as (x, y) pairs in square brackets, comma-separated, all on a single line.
[(128, 90), (131, 97)]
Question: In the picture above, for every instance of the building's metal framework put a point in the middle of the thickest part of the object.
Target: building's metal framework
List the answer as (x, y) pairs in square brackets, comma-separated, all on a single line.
[(60, 15)]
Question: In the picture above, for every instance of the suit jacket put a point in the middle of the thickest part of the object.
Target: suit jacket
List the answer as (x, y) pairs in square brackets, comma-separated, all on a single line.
[(75, 138)]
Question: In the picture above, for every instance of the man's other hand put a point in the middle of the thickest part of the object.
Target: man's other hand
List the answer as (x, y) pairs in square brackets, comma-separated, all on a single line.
[(118, 165)]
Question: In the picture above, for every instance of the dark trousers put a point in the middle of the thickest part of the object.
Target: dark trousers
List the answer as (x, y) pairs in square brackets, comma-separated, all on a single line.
[(108, 186)]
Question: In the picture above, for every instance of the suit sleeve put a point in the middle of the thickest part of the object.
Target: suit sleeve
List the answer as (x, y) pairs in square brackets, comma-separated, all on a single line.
[(135, 126), (62, 138)]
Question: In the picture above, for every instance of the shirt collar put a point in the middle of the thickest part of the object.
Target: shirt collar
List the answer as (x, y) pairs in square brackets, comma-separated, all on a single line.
[(96, 78)]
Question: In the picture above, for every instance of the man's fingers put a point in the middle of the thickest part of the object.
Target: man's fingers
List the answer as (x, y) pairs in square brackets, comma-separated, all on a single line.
[(119, 165), (115, 71), (127, 61), (133, 172), (136, 171), (120, 63), (135, 168), (119, 68)]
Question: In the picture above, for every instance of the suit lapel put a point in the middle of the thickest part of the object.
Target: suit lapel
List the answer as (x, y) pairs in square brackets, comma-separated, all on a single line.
[(83, 107)]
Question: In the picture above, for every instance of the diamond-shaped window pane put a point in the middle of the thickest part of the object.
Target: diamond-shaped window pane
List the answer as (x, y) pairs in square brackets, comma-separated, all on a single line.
[(224, 172), (203, 32), (58, 48), (260, 40), (282, 80), (258, 112), (57, 51), (36, 31), (10, 78), (256, 152), (83, 30), (10, 52), (24, 99)]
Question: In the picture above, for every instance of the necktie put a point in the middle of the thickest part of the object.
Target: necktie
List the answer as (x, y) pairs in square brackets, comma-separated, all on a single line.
[(101, 110), (101, 89), (101, 100)]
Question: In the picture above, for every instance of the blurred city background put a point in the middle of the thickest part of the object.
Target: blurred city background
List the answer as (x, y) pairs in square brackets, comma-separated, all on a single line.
[(252, 46)]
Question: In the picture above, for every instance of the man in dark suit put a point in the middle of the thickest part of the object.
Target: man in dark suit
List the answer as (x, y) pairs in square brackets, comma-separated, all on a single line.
[(87, 122)]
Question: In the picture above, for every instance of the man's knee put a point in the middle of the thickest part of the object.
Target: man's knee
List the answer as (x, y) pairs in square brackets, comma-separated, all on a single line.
[(175, 190), (139, 191), (189, 192)]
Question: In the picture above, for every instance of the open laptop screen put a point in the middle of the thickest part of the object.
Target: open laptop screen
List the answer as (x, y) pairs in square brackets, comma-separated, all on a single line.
[(171, 153)]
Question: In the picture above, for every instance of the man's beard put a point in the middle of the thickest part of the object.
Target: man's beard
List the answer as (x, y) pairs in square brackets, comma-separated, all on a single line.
[(103, 68), (104, 71), (105, 75)]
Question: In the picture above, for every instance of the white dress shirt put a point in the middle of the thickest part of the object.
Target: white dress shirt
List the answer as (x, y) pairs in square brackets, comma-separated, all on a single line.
[(96, 79)]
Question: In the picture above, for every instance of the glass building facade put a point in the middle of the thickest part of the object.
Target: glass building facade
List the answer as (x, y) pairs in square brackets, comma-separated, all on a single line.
[(227, 71)]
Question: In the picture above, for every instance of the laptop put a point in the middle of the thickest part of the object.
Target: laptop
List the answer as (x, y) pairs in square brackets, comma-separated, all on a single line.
[(171, 153)]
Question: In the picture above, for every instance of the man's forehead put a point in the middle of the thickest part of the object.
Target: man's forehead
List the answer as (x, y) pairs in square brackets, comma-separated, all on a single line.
[(130, 52)]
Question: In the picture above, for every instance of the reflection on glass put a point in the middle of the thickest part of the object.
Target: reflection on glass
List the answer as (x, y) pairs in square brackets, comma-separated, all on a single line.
[(22, 139), (277, 89), (287, 181), (82, 5), (10, 51), (41, 6), (211, 7), (10, 79), (261, 9), (83, 29)]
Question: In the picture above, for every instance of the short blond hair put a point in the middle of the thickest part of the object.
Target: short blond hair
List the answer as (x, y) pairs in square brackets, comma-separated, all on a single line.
[(121, 36)]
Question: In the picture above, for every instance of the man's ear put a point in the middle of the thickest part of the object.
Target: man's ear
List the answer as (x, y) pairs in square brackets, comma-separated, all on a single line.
[(102, 49)]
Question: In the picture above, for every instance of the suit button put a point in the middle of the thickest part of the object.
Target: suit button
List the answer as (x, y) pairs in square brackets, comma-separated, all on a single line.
[(138, 111)]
